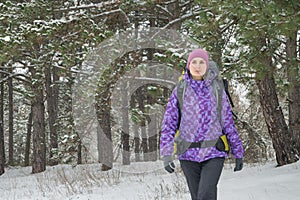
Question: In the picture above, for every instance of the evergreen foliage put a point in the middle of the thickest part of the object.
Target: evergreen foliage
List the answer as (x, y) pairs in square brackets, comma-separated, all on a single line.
[(46, 42)]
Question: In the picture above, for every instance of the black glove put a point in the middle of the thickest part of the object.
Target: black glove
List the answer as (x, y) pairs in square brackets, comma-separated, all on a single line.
[(238, 164), (169, 164)]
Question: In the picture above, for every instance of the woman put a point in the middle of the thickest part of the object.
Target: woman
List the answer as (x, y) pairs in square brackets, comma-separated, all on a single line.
[(199, 123)]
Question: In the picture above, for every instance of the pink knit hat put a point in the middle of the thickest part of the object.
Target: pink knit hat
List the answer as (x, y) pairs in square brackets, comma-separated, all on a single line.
[(197, 53)]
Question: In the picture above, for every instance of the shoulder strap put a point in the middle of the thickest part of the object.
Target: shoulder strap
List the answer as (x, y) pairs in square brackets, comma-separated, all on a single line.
[(181, 87), (225, 82), (218, 88)]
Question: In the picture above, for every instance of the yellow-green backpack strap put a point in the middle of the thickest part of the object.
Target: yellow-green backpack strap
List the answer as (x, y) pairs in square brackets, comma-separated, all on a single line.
[(181, 87)]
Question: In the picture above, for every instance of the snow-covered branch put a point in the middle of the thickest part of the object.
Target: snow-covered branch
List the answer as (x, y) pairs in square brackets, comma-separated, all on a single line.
[(169, 2), (164, 10), (183, 18), (16, 76), (111, 12), (153, 80), (74, 70), (90, 6), (229, 25), (185, 4)]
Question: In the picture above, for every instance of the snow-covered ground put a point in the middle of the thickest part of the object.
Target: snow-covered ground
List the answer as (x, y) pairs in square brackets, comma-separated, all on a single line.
[(148, 181)]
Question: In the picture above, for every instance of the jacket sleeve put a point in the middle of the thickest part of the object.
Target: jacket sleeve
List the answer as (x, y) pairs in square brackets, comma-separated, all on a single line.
[(235, 143), (169, 125)]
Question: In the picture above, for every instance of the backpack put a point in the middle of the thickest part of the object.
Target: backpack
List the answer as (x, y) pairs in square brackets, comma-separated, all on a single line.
[(219, 84)]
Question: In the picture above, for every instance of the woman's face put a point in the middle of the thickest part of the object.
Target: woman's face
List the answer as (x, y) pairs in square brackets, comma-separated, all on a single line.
[(198, 68)]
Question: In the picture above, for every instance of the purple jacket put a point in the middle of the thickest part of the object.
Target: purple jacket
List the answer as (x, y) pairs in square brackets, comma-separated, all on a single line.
[(199, 122)]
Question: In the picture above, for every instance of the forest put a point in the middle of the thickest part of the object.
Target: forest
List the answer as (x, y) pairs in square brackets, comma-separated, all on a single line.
[(87, 81)]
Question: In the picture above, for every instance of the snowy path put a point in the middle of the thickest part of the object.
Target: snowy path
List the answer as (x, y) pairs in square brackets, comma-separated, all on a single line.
[(146, 181)]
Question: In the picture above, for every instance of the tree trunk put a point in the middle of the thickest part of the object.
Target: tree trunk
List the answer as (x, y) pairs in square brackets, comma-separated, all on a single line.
[(152, 131), (136, 136), (104, 119), (137, 144), (38, 119), (125, 127), (76, 145), (28, 139), (144, 141), (106, 142), (51, 91), (294, 89), (126, 148), (79, 151), (140, 97), (276, 124), (2, 161), (99, 146), (2, 149), (174, 8), (153, 141), (10, 121)]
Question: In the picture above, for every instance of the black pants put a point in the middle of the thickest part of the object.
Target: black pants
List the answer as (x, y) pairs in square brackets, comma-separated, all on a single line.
[(202, 178)]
